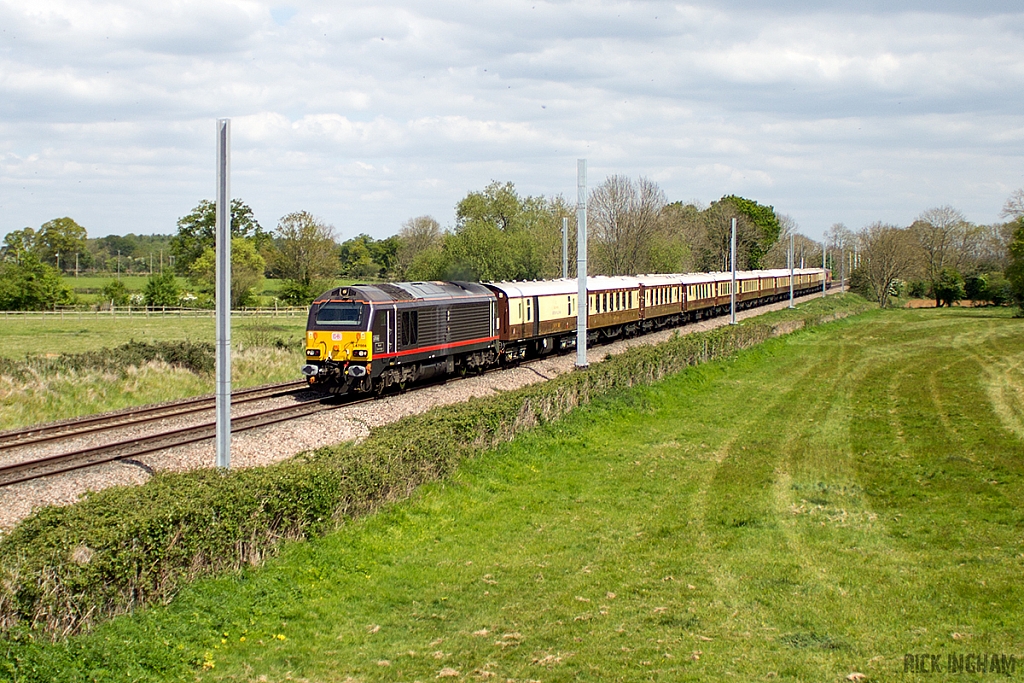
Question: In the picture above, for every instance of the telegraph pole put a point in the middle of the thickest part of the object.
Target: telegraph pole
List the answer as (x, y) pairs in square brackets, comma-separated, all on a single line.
[(582, 302), (732, 289), (842, 270), (792, 262), (823, 252), (223, 293), (565, 247)]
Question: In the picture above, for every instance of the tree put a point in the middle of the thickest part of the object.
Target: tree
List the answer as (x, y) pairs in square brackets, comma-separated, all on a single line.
[(246, 272), (61, 236), (18, 243), (31, 285), (949, 287), (1014, 206), (418, 235), (162, 289), (498, 235), (1015, 271), (305, 256), (197, 232), (714, 243), (887, 254), (946, 240), (764, 219), (356, 257), (625, 217)]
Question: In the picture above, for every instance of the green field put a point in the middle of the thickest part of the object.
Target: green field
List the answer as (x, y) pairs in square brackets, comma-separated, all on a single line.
[(88, 288), (83, 331), (265, 349), (814, 508)]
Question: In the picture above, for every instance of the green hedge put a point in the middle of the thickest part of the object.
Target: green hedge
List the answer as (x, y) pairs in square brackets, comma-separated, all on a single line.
[(197, 357), (63, 569)]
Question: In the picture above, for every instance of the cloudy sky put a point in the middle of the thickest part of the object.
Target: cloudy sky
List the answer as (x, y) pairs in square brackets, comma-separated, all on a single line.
[(369, 113)]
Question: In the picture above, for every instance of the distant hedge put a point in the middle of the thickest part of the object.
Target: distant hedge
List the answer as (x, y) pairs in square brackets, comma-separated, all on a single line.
[(197, 357), (64, 569)]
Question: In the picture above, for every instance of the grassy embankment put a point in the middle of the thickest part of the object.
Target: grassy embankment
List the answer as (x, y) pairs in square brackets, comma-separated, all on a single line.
[(817, 506), (31, 392)]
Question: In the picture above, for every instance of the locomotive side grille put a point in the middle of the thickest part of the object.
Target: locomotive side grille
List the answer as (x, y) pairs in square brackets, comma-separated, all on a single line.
[(470, 321), (429, 332)]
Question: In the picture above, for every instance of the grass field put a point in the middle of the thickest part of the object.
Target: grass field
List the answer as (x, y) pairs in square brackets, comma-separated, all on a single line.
[(814, 508), (76, 332), (42, 397), (88, 288)]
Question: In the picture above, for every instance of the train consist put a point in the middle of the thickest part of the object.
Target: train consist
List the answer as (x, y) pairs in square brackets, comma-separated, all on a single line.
[(367, 338)]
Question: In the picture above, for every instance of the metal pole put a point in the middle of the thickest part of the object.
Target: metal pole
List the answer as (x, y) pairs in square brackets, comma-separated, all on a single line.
[(223, 293), (582, 302), (792, 262), (732, 289), (76, 264), (118, 264), (823, 253), (842, 270), (565, 247)]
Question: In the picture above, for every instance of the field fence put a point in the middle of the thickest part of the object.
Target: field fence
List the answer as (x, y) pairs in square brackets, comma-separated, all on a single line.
[(84, 312)]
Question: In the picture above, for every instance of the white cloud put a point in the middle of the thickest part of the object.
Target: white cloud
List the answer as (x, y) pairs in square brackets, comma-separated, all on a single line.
[(370, 114)]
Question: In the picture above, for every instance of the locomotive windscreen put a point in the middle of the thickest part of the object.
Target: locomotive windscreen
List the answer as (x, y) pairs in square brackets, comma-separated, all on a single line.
[(342, 314)]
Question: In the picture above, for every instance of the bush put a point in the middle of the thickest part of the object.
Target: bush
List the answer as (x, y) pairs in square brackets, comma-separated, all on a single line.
[(162, 290), (949, 287), (116, 292), (918, 289), (300, 293), (31, 286)]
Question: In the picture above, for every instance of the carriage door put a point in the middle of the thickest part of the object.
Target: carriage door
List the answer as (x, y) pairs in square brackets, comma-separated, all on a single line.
[(536, 316), (381, 331), (393, 330)]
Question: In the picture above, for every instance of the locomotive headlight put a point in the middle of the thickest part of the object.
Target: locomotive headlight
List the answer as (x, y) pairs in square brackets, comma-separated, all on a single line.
[(313, 353), (359, 353)]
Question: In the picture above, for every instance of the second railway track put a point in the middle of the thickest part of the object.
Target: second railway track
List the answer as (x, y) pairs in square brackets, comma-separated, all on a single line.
[(37, 468), (136, 416)]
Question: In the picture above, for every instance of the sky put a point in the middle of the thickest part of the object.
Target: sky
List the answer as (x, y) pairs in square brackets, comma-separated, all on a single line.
[(367, 114)]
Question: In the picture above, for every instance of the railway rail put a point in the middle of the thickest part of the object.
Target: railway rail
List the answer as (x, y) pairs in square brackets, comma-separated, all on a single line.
[(136, 416), (37, 468)]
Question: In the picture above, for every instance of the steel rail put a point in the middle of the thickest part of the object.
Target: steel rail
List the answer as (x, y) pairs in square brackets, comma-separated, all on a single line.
[(98, 423), (82, 458)]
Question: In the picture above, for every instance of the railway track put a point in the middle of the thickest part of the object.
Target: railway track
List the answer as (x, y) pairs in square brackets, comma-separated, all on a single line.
[(137, 416), (78, 458), (37, 468)]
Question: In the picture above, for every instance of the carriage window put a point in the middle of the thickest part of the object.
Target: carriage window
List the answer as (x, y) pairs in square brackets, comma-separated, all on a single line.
[(529, 310)]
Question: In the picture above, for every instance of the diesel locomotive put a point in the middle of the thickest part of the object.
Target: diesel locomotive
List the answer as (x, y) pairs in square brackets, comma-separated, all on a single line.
[(364, 338)]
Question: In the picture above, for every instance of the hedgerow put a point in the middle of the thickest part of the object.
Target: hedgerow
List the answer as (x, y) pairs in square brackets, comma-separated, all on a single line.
[(63, 569), (197, 357)]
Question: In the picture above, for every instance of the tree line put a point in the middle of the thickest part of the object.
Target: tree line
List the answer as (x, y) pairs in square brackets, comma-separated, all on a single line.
[(500, 234)]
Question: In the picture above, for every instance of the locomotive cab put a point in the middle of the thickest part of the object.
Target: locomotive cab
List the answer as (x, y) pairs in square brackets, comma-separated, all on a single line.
[(339, 342)]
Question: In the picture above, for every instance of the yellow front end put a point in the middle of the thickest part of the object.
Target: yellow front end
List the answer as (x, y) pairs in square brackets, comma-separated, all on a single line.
[(340, 347)]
